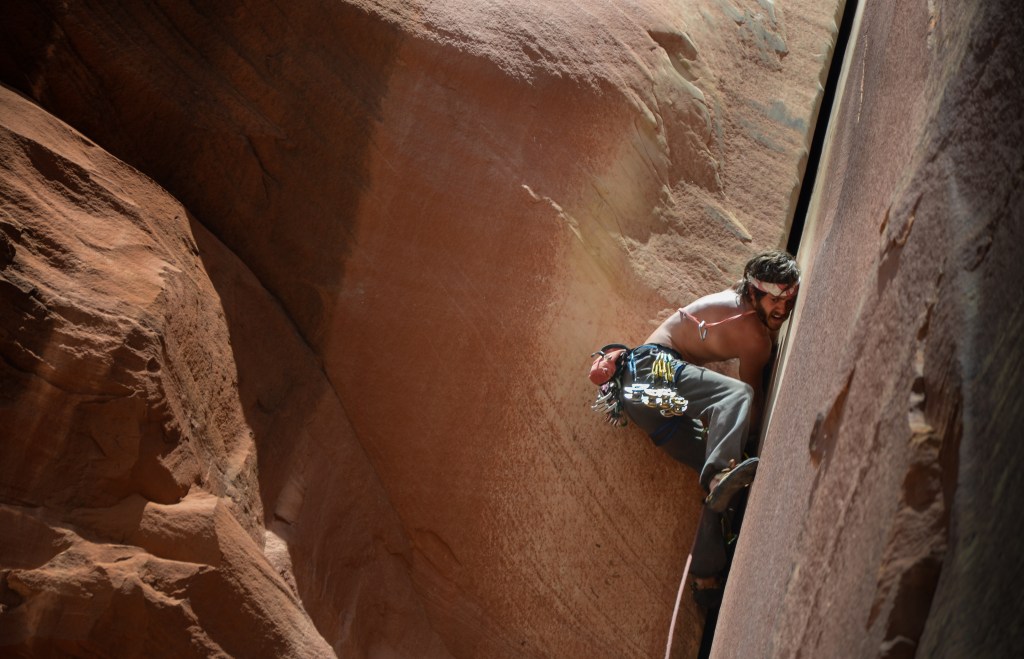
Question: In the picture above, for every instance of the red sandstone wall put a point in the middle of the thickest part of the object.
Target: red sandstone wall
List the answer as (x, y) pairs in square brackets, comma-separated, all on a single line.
[(886, 517), (132, 518), (425, 206)]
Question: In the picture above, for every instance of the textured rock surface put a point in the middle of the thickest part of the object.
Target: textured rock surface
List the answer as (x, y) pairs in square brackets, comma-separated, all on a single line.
[(439, 196), (886, 519), (134, 522)]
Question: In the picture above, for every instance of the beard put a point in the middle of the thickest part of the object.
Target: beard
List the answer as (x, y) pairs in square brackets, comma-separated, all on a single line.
[(765, 319), (762, 315)]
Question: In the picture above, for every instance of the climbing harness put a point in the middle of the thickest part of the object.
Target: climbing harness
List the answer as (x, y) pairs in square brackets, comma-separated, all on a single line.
[(664, 398)]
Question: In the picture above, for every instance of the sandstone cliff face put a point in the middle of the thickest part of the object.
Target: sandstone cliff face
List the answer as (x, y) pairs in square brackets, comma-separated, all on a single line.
[(130, 498), (133, 516), (376, 396), (886, 519)]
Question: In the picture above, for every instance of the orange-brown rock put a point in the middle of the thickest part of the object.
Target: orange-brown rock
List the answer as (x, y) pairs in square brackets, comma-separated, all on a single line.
[(886, 518), (450, 204), (131, 498)]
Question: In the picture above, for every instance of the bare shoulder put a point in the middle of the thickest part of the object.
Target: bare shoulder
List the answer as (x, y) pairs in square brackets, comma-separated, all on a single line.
[(716, 305)]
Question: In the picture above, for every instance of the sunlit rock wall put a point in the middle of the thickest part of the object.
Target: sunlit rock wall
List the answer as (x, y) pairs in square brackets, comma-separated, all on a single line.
[(886, 518), (438, 210)]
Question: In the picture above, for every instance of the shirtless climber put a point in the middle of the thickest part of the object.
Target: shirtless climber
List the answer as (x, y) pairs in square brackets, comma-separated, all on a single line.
[(742, 323)]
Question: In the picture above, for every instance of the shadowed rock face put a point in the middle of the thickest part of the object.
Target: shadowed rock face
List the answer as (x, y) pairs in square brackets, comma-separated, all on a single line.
[(131, 504), (886, 517), (130, 487), (358, 364)]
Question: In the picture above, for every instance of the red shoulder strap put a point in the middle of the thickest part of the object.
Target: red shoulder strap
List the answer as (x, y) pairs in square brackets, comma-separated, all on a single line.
[(702, 326)]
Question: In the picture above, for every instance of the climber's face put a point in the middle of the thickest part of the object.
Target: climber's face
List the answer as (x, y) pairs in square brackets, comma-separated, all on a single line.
[(774, 310)]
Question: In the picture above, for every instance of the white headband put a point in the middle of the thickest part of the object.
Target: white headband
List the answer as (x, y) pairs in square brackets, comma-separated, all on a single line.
[(778, 290)]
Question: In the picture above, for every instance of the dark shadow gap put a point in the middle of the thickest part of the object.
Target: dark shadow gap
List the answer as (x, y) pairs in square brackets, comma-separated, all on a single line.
[(828, 96)]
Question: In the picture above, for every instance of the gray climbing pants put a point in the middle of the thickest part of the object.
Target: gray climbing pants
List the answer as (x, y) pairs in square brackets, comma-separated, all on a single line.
[(712, 432)]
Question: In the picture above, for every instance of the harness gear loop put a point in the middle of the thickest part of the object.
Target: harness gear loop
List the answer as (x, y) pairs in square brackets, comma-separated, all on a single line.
[(659, 393)]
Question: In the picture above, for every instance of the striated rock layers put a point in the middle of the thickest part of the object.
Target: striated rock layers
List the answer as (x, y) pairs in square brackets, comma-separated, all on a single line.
[(887, 517), (362, 405)]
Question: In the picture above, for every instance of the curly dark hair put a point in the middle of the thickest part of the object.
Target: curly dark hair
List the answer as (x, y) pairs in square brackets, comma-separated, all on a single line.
[(775, 267)]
